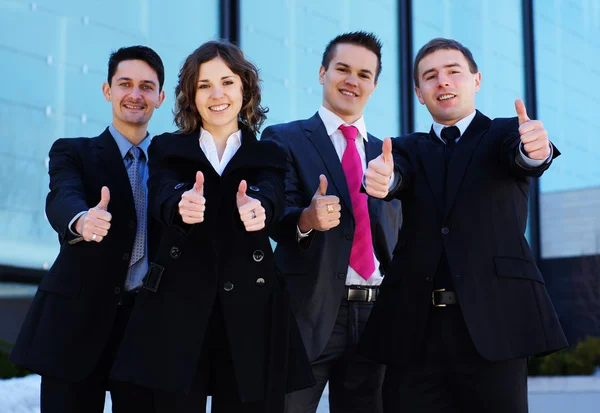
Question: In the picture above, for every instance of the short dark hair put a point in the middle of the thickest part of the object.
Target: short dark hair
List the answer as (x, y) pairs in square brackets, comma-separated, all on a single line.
[(439, 43), (365, 39), (187, 117), (143, 53)]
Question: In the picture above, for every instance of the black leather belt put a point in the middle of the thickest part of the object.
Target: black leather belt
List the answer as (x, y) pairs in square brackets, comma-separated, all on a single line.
[(361, 293), (128, 298), (442, 298)]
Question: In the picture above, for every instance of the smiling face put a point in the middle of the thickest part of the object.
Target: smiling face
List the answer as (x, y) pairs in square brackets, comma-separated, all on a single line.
[(349, 81), (446, 86), (219, 97), (134, 94)]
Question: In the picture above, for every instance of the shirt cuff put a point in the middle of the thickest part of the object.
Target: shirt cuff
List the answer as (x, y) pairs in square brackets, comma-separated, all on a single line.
[(394, 181), (527, 162), (75, 218), (300, 235)]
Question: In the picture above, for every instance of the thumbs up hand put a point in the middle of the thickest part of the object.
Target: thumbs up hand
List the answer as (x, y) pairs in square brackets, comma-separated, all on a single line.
[(193, 203), (95, 223), (533, 135), (251, 211), (324, 211), (379, 172)]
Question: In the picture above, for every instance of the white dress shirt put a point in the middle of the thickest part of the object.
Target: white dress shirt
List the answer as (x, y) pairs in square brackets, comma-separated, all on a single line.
[(332, 123), (208, 146)]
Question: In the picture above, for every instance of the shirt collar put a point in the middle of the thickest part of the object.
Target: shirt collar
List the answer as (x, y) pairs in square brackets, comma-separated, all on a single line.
[(332, 123), (124, 145), (236, 136), (462, 125)]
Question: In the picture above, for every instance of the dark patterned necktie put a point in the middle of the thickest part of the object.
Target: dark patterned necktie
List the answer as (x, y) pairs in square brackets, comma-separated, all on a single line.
[(139, 197)]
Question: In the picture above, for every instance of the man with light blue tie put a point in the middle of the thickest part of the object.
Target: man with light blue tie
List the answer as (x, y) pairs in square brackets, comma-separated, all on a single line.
[(97, 205)]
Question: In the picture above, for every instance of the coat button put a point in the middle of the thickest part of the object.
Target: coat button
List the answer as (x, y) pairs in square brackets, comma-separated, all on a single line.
[(228, 286), (341, 276), (428, 279), (132, 224), (117, 290), (254, 188), (445, 230), (348, 236), (258, 255), (260, 282), (179, 185), (125, 256), (175, 252)]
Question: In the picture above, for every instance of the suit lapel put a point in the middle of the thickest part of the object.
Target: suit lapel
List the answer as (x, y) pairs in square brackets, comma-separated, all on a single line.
[(431, 155), (317, 135), (243, 157), (462, 157), (187, 146), (372, 151), (110, 156)]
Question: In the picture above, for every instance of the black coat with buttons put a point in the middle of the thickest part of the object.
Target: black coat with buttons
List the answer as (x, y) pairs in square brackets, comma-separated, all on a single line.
[(218, 257), (72, 314)]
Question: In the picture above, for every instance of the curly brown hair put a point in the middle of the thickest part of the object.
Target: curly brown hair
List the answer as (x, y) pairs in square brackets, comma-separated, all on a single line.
[(252, 114)]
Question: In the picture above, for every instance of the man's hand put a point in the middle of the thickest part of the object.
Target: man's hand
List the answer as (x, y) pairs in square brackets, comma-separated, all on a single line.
[(94, 224), (324, 211), (533, 135), (251, 211), (379, 172), (193, 203)]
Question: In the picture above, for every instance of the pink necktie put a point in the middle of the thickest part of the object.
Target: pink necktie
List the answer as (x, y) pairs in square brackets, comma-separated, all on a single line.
[(361, 255)]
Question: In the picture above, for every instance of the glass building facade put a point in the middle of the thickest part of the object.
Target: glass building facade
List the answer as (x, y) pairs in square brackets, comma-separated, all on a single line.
[(54, 56)]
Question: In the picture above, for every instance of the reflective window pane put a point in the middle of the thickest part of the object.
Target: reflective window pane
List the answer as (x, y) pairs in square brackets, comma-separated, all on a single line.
[(288, 52), (55, 55)]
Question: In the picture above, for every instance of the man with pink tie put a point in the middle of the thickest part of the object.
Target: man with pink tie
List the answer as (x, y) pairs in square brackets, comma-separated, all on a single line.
[(335, 243)]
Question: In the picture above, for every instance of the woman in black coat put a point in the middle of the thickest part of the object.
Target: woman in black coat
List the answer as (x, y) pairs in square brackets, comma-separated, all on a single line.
[(213, 316)]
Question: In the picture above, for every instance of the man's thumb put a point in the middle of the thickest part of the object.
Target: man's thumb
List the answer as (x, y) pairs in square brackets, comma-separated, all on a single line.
[(387, 150), (199, 185), (521, 111), (104, 198), (322, 190)]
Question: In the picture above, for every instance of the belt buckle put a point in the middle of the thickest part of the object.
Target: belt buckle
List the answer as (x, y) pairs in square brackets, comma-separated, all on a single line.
[(360, 294), (433, 297)]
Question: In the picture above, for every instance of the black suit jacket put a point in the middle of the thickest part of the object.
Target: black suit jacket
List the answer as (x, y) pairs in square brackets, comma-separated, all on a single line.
[(217, 257), (72, 313), (316, 272), (480, 224)]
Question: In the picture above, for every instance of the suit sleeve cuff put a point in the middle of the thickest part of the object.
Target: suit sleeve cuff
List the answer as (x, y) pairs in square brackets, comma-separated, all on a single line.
[(527, 163), (301, 235), (72, 222)]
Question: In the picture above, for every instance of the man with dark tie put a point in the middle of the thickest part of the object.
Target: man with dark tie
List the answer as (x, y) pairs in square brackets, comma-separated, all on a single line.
[(97, 205), (464, 304), (335, 244)]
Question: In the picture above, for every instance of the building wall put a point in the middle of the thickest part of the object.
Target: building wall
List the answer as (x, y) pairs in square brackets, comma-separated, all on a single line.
[(54, 55)]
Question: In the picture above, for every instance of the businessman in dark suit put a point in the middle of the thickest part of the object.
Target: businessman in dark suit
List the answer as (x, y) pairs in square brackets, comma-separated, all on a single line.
[(97, 205), (464, 304), (334, 244)]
